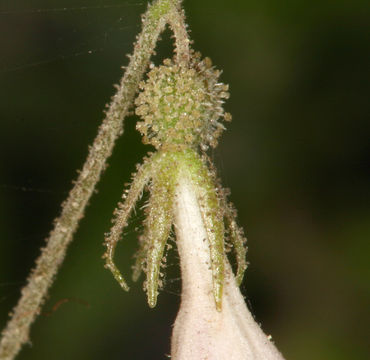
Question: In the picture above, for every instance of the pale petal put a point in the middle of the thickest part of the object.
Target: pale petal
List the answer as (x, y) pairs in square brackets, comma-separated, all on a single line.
[(200, 331)]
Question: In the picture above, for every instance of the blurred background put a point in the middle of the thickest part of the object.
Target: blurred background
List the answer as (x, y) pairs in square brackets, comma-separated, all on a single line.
[(296, 158)]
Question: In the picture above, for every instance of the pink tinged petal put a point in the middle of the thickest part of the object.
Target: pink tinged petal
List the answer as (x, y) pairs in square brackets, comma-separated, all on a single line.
[(200, 331)]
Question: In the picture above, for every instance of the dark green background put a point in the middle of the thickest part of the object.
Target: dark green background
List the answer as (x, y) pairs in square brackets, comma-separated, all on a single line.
[(296, 158)]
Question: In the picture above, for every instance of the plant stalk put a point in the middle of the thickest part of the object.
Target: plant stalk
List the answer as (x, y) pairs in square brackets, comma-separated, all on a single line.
[(16, 332)]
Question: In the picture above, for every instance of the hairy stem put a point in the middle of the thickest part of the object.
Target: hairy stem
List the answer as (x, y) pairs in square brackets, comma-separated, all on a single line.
[(200, 331), (16, 332), (176, 20)]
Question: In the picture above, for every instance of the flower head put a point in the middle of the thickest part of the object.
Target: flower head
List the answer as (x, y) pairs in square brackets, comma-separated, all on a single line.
[(182, 105)]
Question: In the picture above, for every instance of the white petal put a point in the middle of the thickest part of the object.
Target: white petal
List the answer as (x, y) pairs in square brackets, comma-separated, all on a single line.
[(200, 331)]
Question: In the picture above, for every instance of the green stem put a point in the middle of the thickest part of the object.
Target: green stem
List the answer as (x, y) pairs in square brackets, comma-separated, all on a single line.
[(176, 20), (33, 295)]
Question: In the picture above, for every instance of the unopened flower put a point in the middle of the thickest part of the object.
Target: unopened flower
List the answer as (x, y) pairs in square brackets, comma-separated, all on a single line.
[(201, 332)]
